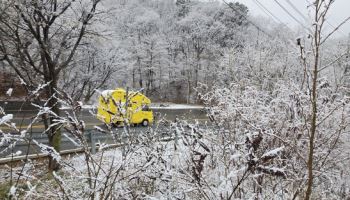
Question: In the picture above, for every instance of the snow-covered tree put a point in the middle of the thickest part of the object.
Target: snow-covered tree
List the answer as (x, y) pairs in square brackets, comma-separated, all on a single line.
[(38, 40), (168, 49), (92, 69)]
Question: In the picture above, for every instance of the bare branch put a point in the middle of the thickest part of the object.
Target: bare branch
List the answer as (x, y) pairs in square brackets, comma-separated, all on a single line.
[(334, 30)]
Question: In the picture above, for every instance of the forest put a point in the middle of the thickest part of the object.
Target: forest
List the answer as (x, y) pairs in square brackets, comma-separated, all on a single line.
[(277, 100)]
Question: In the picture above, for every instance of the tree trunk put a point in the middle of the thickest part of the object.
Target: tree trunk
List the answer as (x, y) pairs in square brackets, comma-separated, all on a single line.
[(317, 39), (196, 70), (54, 133), (133, 78)]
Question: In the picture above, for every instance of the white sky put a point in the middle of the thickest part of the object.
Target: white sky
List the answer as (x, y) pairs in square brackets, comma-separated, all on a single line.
[(339, 11)]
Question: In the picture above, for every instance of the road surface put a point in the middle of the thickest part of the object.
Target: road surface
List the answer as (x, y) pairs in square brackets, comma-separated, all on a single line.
[(24, 113)]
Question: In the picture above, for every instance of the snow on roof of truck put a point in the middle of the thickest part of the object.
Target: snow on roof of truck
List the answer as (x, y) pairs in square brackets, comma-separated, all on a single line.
[(107, 93)]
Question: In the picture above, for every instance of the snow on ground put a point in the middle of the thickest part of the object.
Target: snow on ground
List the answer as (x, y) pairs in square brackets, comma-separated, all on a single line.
[(158, 106), (85, 107), (172, 106), (160, 166)]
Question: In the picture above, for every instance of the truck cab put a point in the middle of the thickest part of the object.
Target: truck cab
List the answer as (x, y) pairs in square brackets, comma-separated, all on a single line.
[(118, 107)]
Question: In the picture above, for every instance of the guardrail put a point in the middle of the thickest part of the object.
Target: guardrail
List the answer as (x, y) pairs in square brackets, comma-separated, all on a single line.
[(92, 138)]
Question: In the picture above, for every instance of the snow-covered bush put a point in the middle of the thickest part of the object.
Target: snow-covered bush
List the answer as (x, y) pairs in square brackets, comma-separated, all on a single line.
[(279, 120)]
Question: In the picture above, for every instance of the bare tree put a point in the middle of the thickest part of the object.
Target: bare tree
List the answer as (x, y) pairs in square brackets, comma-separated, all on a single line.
[(312, 68), (38, 40), (91, 70)]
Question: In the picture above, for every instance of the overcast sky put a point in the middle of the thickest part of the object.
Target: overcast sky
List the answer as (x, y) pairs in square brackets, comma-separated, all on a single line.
[(338, 12)]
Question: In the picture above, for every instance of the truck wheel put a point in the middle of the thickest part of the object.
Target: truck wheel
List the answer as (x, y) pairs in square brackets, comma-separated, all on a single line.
[(117, 124), (145, 122)]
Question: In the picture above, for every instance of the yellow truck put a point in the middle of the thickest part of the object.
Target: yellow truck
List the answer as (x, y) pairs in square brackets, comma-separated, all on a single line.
[(118, 107)]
